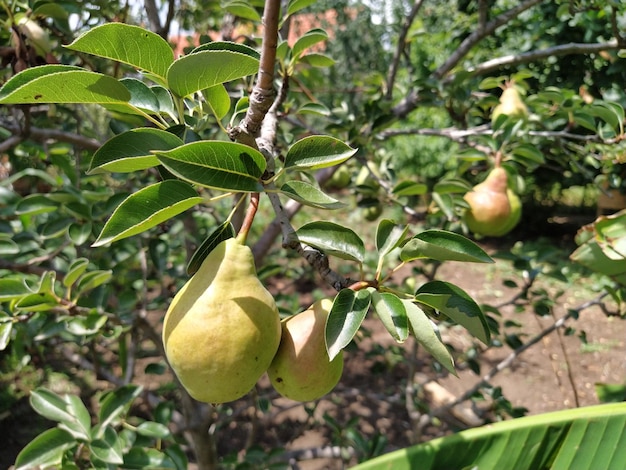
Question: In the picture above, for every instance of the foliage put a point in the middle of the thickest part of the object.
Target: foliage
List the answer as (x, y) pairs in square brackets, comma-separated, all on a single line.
[(129, 164), (567, 439)]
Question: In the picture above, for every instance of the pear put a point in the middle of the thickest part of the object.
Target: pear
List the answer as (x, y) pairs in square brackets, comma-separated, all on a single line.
[(222, 328), (511, 105), (494, 209), (302, 369)]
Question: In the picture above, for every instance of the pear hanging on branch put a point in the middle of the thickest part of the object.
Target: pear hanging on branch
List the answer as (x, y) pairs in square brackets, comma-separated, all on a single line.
[(222, 328), (302, 369), (510, 105), (494, 209)]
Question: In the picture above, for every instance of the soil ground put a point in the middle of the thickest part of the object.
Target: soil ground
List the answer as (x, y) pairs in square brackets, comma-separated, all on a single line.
[(559, 372)]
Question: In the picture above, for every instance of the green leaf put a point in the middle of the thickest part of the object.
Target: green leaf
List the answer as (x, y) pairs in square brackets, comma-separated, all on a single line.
[(451, 186), (222, 232), (45, 450), (610, 393), (35, 204), (109, 448), (297, 5), (583, 438), (453, 302), (8, 246), (218, 99), (228, 46), (64, 85), (309, 39), (68, 411), (208, 68), (141, 97), (426, 333), (6, 326), (128, 44), (140, 458), (93, 279), (242, 9), (115, 403), (528, 154), (13, 288), (310, 195), (442, 245), (333, 239), (345, 318), (132, 151), (79, 232), (147, 208), (317, 109), (152, 429), (317, 151), (389, 236), (228, 166), (75, 270), (318, 60), (38, 302), (611, 113), (392, 314), (409, 188)]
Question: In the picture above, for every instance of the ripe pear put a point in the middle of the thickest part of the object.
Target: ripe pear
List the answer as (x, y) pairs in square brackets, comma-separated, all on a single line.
[(302, 369), (494, 208), (511, 105), (222, 329)]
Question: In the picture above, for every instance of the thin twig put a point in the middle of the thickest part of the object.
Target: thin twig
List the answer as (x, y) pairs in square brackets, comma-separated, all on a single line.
[(395, 63), (506, 362)]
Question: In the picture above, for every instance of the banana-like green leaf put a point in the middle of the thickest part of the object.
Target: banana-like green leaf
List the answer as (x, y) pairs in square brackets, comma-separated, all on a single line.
[(128, 44), (591, 438)]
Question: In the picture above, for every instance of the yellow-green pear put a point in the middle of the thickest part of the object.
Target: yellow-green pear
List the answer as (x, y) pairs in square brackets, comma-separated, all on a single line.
[(301, 369), (37, 37), (222, 328), (494, 209), (511, 105)]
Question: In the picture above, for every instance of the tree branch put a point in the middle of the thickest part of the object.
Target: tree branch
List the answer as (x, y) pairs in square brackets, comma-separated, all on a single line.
[(560, 50), (262, 95), (460, 135), (480, 34), (410, 102), (41, 135), (391, 78)]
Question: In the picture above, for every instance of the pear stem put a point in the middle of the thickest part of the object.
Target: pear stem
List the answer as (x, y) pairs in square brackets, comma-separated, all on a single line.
[(498, 159), (253, 206)]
